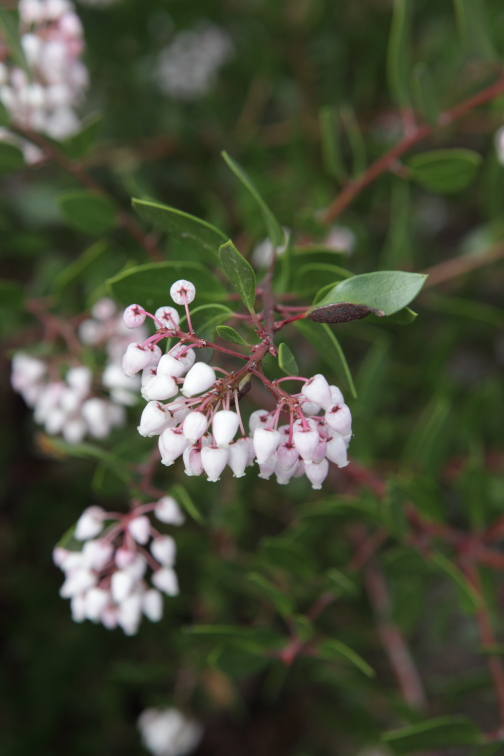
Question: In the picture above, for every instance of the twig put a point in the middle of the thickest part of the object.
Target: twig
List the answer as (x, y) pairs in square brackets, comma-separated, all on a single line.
[(445, 271)]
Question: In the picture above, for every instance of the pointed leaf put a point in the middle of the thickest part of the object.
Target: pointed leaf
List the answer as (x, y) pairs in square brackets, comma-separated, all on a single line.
[(240, 273), (445, 171), (280, 601), (423, 92), (87, 212), (229, 334), (442, 732), (332, 649), (180, 494), (275, 231), (286, 360), (388, 291), (327, 345), (9, 23), (331, 150), (398, 64), (469, 591)]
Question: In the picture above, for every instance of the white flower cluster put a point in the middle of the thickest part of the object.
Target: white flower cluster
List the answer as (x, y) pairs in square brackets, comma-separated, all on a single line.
[(44, 98), (168, 732), (304, 446), (187, 68), (71, 407), (105, 580), (98, 3)]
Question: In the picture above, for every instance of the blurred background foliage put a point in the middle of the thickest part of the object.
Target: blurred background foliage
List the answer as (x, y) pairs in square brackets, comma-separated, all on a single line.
[(306, 77)]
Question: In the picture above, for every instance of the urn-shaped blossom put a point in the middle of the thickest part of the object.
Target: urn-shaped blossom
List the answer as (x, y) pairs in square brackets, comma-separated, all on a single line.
[(155, 418), (135, 359), (199, 378), (339, 418), (317, 390), (133, 316), (195, 425), (167, 316), (182, 292), (214, 461), (224, 426), (265, 443)]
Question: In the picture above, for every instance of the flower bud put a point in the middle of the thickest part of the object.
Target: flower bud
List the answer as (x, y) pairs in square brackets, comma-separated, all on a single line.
[(168, 511), (199, 378), (238, 457), (266, 469), (160, 388), (95, 413), (70, 400), (195, 425), (155, 354), (168, 316), (169, 365), (124, 557), (288, 456), (186, 356), (337, 451), (224, 426), (134, 316), (129, 613), (77, 582), (166, 580), (121, 584), (336, 395), (192, 461), (59, 555), (164, 550), (320, 451), (78, 607), (339, 418), (283, 476), (104, 309), (265, 443), (305, 441), (109, 617), (80, 379), (214, 461), (96, 554), (152, 605), (135, 359), (155, 418), (172, 443), (89, 524), (317, 390), (317, 473), (182, 292), (139, 528), (96, 601), (55, 421), (259, 419)]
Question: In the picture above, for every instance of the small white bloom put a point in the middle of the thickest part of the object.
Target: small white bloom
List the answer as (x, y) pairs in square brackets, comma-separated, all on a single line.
[(168, 511), (317, 473), (164, 550), (195, 425), (167, 732), (96, 601), (104, 309), (139, 527), (214, 461), (152, 605), (224, 426), (80, 379), (182, 292), (96, 554), (121, 584), (259, 419), (77, 582), (317, 390), (161, 387), (129, 613), (155, 419), (89, 524), (134, 316), (339, 418), (268, 467), (265, 443), (172, 443), (337, 451), (199, 378), (96, 414), (166, 580), (135, 359), (305, 441), (169, 365), (238, 457), (168, 316), (78, 607), (192, 461), (288, 456)]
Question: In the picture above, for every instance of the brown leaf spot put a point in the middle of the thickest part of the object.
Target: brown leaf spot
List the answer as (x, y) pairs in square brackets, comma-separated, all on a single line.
[(342, 312)]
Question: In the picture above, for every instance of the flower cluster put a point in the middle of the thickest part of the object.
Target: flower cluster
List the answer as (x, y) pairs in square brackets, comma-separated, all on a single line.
[(105, 580), (168, 732), (76, 405), (188, 66), (44, 97), (200, 424)]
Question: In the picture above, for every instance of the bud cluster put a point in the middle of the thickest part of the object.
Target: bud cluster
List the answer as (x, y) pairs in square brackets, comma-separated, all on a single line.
[(44, 97), (200, 424), (105, 581), (168, 732), (79, 404)]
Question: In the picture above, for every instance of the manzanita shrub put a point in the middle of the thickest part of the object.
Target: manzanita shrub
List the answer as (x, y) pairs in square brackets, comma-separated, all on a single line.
[(251, 311)]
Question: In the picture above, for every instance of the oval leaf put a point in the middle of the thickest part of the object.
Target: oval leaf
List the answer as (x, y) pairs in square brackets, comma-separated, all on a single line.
[(87, 212), (387, 290), (229, 334), (328, 346), (180, 494), (445, 171), (286, 360), (442, 732), (239, 272)]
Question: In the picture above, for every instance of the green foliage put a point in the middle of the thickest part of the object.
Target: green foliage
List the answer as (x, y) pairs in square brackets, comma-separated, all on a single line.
[(240, 273), (445, 171), (286, 360), (229, 334), (328, 347), (11, 158), (398, 63), (89, 213), (442, 732)]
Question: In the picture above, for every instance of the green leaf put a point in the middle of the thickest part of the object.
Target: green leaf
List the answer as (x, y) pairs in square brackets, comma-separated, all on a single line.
[(280, 601), (309, 278), (229, 334), (332, 649), (149, 285), (260, 636), (239, 272), (331, 151), (398, 64), (89, 451), (356, 140), (239, 659), (78, 145), (386, 290), (343, 582), (180, 494), (11, 158), (275, 231), (328, 347), (458, 577), (286, 360), (445, 171), (472, 22), (401, 317), (185, 228), (75, 269), (423, 93), (87, 212), (11, 294), (9, 22), (442, 732), (206, 319)]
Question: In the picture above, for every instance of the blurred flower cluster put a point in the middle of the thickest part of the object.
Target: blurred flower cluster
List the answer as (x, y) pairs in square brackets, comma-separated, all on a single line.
[(168, 732)]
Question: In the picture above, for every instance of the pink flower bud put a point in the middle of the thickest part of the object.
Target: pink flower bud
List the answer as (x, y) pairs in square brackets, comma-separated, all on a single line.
[(317, 390), (160, 388), (195, 425), (139, 528), (77, 582), (168, 511), (317, 473), (104, 309), (129, 613), (224, 426), (59, 555), (96, 601), (238, 457), (288, 456), (152, 605), (168, 316), (135, 359), (121, 584), (265, 443), (166, 580), (123, 558), (155, 418), (134, 316), (96, 554), (172, 443), (169, 365), (186, 356), (214, 461), (89, 524), (199, 378), (155, 354), (337, 451), (339, 418), (305, 441), (283, 476), (259, 419), (320, 452), (164, 550), (192, 461), (182, 292), (336, 395), (267, 468)]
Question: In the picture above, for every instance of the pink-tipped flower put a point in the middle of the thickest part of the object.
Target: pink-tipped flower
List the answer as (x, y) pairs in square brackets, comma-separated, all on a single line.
[(168, 316), (186, 356), (166, 580), (96, 554), (305, 441), (283, 476), (104, 309), (121, 584), (182, 292), (214, 461), (96, 601), (139, 529), (89, 524), (224, 426), (317, 473), (317, 390), (135, 359), (155, 419), (288, 456), (267, 468), (155, 354), (152, 605), (199, 378), (337, 451), (265, 443), (195, 425), (134, 316), (172, 443), (160, 388), (339, 418), (259, 419), (169, 365), (164, 550), (320, 452), (336, 395), (168, 511), (238, 457), (124, 557), (192, 461)]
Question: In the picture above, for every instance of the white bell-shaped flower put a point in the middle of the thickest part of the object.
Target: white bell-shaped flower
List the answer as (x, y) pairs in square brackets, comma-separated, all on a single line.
[(306, 441), (166, 580), (160, 388), (152, 605), (317, 473), (195, 425), (186, 356), (164, 550), (155, 419), (267, 468), (168, 511), (139, 528), (192, 461), (238, 457), (283, 476), (96, 601), (320, 451), (336, 395), (172, 443), (336, 451), (129, 613), (339, 418), (265, 443), (80, 379), (199, 378), (97, 553), (317, 390), (95, 412), (169, 365), (77, 582), (121, 583), (168, 316), (78, 607), (259, 419), (155, 354), (214, 461), (182, 292), (224, 426), (89, 524), (134, 316), (136, 358), (288, 456)]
